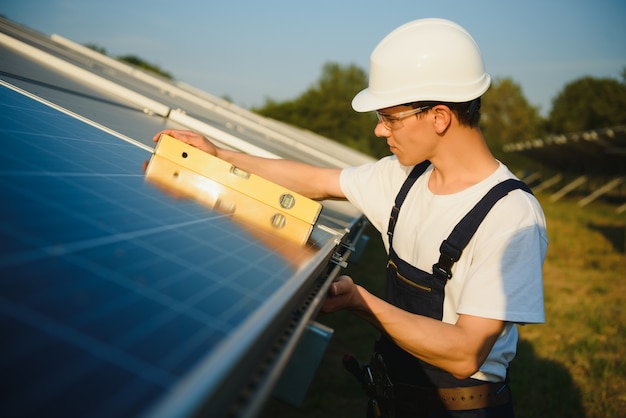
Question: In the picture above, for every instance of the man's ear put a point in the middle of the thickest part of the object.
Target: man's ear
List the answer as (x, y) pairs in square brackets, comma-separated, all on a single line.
[(442, 118)]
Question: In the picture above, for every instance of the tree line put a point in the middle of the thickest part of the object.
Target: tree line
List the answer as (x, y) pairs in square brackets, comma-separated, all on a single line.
[(506, 116)]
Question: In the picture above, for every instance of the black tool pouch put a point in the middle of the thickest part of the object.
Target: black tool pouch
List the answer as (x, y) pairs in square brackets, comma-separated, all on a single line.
[(376, 384), (380, 391)]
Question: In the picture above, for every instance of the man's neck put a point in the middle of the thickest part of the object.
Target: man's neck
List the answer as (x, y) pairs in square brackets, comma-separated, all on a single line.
[(461, 163)]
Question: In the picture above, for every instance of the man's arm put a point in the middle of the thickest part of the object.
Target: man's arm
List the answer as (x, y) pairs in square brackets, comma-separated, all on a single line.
[(311, 181), (459, 348)]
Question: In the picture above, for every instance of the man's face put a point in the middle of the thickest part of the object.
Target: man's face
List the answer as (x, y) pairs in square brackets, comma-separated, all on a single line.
[(405, 129)]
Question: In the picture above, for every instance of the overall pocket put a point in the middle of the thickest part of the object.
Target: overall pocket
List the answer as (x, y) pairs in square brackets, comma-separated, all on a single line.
[(414, 290)]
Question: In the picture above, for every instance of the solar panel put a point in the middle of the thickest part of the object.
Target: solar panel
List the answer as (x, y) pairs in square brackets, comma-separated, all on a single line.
[(112, 293)]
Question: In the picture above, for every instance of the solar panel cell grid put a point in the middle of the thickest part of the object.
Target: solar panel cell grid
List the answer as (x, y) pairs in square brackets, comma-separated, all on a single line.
[(110, 290)]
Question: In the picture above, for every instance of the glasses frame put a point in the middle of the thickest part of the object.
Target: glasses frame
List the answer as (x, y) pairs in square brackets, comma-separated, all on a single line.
[(391, 121)]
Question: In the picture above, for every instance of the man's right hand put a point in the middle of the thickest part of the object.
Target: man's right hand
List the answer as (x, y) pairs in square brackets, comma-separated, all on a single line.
[(189, 137)]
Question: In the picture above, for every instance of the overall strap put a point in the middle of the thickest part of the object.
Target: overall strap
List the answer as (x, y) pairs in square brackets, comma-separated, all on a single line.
[(451, 248), (417, 171)]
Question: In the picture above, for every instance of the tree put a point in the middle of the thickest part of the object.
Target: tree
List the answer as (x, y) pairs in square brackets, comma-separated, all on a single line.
[(133, 60), (589, 103), (325, 109), (96, 48), (138, 62), (506, 116)]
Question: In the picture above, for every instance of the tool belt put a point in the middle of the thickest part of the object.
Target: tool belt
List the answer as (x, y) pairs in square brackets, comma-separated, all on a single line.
[(388, 399)]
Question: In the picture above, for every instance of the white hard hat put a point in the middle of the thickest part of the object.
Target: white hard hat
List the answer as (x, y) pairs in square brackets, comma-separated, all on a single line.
[(424, 60)]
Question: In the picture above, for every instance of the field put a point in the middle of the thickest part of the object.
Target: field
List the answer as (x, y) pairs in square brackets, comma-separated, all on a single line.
[(572, 366)]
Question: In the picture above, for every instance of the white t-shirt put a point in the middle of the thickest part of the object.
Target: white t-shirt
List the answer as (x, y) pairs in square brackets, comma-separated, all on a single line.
[(499, 274)]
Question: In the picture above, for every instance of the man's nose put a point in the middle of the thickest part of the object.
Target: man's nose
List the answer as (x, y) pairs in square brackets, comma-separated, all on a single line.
[(381, 130)]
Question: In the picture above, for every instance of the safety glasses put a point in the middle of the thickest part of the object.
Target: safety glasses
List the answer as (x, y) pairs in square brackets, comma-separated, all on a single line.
[(395, 121)]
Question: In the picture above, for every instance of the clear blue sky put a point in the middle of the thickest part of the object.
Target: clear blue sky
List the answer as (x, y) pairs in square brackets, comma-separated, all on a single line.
[(253, 50)]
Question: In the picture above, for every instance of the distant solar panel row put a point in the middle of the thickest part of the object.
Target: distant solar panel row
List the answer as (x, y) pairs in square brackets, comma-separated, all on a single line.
[(110, 291), (597, 152)]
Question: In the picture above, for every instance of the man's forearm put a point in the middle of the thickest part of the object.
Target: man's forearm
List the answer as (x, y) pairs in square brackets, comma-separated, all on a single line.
[(310, 181), (459, 348)]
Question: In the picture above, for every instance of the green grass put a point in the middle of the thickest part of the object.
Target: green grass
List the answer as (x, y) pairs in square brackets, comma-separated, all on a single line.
[(572, 366)]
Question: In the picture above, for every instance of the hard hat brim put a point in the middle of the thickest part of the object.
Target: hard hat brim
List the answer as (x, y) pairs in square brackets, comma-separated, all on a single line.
[(368, 101), (365, 101)]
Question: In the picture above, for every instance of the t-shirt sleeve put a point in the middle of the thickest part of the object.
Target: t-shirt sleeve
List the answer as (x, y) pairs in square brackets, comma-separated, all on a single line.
[(371, 188)]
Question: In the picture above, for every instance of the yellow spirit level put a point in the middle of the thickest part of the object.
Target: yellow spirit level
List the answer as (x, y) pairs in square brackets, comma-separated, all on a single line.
[(249, 184), (187, 171)]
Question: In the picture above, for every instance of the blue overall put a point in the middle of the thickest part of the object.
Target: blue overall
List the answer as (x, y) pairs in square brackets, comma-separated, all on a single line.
[(420, 292)]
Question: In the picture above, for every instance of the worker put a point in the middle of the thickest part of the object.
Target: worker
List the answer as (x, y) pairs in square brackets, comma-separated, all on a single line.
[(466, 240)]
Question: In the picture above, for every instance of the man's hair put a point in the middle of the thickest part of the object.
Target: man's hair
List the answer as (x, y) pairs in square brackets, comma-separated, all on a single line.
[(467, 113)]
